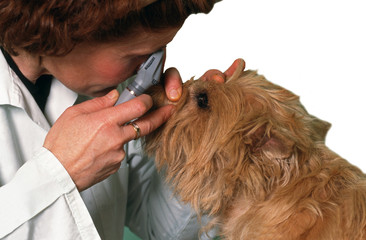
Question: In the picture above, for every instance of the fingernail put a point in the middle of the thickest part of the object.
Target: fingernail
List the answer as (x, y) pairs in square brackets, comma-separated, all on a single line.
[(174, 95)]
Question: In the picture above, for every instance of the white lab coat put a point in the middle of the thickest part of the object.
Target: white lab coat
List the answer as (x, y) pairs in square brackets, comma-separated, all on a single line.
[(38, 199)]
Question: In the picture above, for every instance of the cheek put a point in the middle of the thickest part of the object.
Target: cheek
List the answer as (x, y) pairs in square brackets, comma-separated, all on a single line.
[(113, 71), (118, 71)]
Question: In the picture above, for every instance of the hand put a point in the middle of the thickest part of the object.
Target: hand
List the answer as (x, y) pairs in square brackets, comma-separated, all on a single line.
[(88, 138), (173, 81), (218, 76)]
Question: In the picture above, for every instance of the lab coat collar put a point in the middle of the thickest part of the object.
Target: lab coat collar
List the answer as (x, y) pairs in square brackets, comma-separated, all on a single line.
[(13, 92)]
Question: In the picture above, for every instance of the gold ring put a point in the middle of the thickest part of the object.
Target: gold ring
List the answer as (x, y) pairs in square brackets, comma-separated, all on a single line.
[(136, 128)]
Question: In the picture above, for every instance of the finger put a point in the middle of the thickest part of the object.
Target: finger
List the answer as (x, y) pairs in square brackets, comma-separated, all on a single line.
[(213, 75), (173, 84), (98, 103), (130, 110), (148, 123), (237, 67)]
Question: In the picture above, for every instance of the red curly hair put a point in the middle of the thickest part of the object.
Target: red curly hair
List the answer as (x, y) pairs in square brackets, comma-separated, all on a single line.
[(54, 27)]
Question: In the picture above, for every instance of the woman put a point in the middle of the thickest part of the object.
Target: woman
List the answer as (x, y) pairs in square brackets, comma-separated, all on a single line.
[(67, 167)]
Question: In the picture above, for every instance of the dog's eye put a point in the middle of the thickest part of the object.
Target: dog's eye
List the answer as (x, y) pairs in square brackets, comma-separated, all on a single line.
[(202, 100)]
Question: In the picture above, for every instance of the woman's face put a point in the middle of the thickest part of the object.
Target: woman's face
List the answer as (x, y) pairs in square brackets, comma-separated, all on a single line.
[(95, 69)]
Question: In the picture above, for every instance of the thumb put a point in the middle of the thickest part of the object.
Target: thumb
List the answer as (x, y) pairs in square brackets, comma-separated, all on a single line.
[(99, 103)]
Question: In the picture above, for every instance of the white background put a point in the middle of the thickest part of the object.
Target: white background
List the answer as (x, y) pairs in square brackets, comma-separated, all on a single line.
[(315, 48)]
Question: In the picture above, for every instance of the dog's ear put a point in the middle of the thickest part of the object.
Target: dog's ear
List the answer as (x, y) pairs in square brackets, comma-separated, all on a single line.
[(271, 143), (278, 145), (319, 129)]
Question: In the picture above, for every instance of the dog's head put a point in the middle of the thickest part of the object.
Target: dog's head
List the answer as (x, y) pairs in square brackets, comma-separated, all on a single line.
[(227, 139)]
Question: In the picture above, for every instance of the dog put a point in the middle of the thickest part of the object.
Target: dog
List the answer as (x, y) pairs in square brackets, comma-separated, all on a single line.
[(248, 154)]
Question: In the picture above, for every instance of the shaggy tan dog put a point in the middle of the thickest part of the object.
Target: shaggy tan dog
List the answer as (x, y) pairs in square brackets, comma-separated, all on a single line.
[(247, 153)]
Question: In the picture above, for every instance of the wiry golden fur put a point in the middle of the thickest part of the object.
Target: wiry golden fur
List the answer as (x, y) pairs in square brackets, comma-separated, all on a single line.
[(247, 153)]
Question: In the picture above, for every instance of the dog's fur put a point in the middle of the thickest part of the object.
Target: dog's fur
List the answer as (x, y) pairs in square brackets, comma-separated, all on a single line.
[(247, 153)]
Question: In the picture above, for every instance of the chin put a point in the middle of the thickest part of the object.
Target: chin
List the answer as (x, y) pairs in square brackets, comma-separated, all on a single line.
[(98, 93)]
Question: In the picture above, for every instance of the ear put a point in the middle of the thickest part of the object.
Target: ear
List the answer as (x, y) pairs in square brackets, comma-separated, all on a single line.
[(271, 142), (319, 129), (278, 145)]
